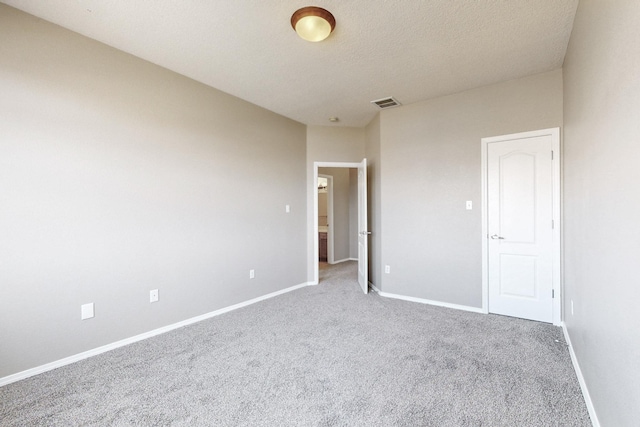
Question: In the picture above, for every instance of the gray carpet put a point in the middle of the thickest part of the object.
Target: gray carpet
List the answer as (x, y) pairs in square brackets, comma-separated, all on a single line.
[(326, 355)]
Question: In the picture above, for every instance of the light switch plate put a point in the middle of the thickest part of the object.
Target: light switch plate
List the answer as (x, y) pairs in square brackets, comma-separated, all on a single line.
[(153, 295), (469, 205), (572, 307), (86, 311)]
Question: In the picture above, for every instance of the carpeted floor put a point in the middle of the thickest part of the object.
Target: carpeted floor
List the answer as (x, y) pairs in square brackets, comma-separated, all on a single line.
[(324, 355)]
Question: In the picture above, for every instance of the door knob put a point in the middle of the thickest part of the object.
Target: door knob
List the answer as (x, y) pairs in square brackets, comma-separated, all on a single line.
[(364, 233), (495, 236)]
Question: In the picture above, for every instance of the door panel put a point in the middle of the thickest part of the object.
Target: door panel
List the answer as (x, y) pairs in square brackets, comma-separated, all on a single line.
[(517, 276), (520, 213), (518, 197)]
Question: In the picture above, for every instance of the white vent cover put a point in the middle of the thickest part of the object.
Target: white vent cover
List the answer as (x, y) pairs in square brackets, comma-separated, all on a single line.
[(385, 103)]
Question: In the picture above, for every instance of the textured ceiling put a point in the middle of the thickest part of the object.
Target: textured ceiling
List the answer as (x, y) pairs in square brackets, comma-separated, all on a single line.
[(410, 49)]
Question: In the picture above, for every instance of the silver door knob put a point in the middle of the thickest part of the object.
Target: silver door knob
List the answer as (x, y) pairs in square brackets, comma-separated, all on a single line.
[(495, 236), (364, 233)]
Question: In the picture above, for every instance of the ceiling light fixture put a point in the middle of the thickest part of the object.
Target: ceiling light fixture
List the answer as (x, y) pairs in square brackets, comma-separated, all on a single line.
[(313, 23)]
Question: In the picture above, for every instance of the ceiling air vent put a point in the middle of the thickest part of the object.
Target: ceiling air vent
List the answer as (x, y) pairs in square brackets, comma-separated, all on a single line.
[(385, 103)]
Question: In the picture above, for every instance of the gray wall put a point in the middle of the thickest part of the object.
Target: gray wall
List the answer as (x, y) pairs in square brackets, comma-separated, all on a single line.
[(341, 216), (117, 177), (323, 208), (372, 151), (430, 153), (602, 204)]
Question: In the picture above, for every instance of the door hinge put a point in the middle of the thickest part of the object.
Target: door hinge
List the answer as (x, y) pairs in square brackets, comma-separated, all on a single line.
[(553, 224), (553, 293), (551, 154)]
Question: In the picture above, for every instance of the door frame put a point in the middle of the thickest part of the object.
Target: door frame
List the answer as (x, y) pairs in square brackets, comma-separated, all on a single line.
[(316, 166), (556, 215)]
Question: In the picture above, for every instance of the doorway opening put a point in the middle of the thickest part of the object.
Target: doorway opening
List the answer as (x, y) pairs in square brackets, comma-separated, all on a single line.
[(325, 218), (346, 219), (338, 214)]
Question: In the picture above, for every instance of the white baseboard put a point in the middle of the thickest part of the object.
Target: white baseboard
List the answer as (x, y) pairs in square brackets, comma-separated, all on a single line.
[(99, 350), (430, 302), (372, 286), (343, 260), (581, 381)]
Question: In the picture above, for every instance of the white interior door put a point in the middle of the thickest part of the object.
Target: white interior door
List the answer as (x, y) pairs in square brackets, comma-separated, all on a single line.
[(363, 234), (520, 213)]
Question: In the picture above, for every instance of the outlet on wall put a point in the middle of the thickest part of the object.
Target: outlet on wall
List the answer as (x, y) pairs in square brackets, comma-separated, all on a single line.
[(252, 274), (153, 295), (387, 269)]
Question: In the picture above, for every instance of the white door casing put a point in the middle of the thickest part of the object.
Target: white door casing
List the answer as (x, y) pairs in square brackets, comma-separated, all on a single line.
[(521, 271), (363, 231)]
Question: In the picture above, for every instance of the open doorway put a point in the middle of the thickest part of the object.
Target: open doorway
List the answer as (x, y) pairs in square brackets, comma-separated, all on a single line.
[(346, 218), (337, 215), (325, 218)]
